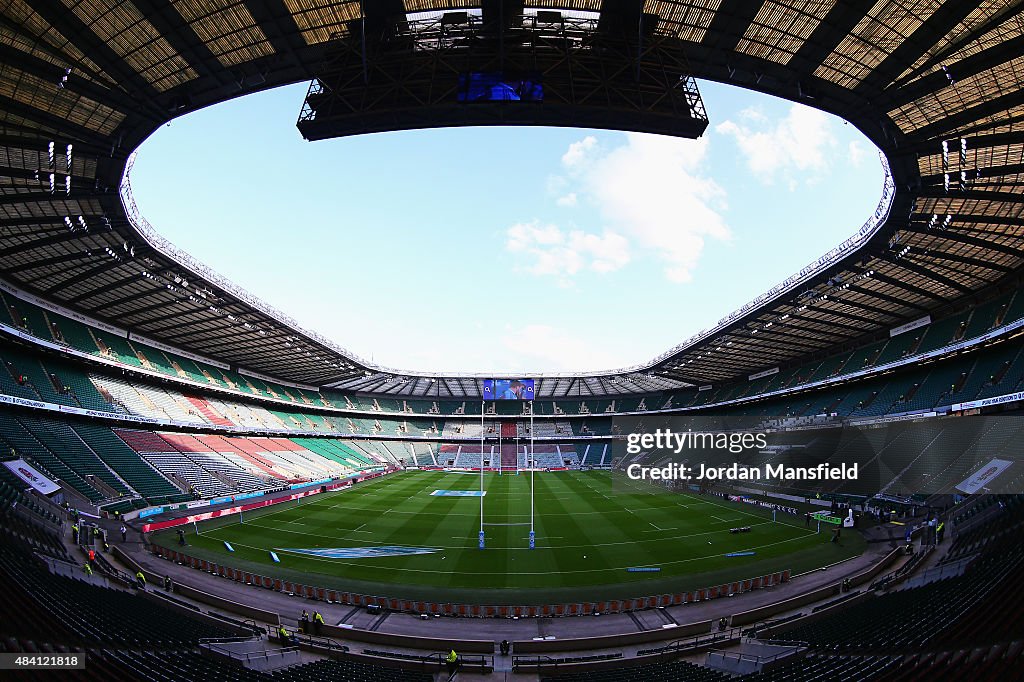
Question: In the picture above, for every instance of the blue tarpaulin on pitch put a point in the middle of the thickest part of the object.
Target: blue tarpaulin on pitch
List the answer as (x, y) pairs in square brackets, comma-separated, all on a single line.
[(741, 554), (459, 493), (360, 552)]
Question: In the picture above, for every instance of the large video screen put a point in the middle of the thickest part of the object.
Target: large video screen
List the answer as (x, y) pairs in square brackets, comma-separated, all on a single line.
[(492, 86), (508, 389)]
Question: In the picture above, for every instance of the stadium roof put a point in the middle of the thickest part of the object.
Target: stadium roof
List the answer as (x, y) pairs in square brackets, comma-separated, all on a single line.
[(936, 85)]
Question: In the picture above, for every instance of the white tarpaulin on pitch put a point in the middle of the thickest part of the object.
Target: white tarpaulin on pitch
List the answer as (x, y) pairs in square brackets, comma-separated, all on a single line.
[(984, 476), (27, 473)]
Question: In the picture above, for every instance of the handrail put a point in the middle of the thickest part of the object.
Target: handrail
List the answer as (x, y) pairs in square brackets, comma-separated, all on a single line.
[(248, 656), (464, 660), (903, 571), (519, 659), (754, 629), (256, 627), (741, 656), (326, 642), (791, 642), (538, 660), (678, 645), (223, 640)]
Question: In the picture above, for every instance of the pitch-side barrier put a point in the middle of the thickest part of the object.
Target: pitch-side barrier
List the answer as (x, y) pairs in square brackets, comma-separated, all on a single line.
[(431, 608)]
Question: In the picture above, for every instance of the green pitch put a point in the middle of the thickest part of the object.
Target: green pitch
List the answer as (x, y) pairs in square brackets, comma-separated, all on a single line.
[(589, 532)]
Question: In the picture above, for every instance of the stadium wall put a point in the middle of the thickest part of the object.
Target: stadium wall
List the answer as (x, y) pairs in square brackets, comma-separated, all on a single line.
[(205, 516), (543, 646), (769, 610), (473, 610)]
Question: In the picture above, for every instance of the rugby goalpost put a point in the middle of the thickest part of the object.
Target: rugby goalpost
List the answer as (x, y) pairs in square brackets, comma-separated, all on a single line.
[(532, 464)]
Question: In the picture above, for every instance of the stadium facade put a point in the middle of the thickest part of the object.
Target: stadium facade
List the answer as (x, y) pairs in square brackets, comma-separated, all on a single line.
[(148, 387)]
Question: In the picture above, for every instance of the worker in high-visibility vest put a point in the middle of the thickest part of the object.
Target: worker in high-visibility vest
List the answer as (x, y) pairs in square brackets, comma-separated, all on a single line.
[(87, 568), (140, 578), (318, 620), (452, 662), (283, 634)]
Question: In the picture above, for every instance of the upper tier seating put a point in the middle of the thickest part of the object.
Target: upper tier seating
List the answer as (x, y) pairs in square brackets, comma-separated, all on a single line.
[(51, 326)]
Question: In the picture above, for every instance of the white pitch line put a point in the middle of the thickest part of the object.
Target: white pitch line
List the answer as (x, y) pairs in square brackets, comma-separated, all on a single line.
[(609, 569), (327, 538)]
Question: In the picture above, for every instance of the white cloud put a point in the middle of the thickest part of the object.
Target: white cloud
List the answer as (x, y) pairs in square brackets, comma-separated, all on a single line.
[(856, 153), (578, 152), (753, 114), (607, 252), (523, 236), (798, 143), (651, 197), (651, 190), (549, 250)]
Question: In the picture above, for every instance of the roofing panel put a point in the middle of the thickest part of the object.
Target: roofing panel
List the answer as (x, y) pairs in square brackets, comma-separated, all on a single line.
[(575, 5), (429, 5), (686, 20), (38, 38), (227, 28), (319, 20), (961, 42), (882, 30), (960, 95), (779, 30), (121, 25), (47, 97)]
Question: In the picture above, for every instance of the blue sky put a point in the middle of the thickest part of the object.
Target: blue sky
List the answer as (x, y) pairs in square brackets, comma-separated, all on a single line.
[(508, 250)]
